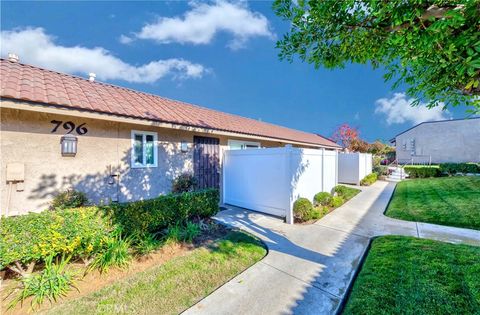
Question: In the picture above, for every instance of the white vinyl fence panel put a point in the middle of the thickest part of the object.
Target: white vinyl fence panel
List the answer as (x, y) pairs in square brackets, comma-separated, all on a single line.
[(269, 180), (353, 167)]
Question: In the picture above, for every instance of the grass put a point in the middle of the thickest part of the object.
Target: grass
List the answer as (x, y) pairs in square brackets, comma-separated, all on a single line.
[(453, 201), (174, 286), (406, 275), (349, 192)]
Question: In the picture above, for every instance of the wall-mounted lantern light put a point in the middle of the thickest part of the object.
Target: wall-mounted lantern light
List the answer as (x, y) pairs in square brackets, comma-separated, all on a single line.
[(68, 144), (184, 146)]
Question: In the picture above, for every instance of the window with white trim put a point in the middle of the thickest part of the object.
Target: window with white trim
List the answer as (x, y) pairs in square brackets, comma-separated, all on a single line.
[(144, 149), (241, 145)]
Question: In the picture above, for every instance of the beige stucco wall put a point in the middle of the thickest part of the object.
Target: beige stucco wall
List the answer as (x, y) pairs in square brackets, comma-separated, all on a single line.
[(454, 141), (26, 137)]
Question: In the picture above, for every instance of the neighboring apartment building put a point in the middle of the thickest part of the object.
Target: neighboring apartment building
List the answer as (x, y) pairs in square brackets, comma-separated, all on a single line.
[(456, 141), (60, 131)]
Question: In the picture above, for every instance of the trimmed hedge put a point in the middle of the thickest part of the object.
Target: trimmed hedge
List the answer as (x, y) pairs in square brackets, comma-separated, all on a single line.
[(454, 168), (154, 215), (324, 203), (369, 179), (422, 171), (82, 232), (336, 201), (322, 198), (303, 210), (35, 236)]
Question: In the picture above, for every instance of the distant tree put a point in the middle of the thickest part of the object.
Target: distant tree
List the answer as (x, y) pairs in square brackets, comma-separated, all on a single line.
[(349, 138), (376, 147), (359, 145), (345, 135), (380, 148), (432, 46)]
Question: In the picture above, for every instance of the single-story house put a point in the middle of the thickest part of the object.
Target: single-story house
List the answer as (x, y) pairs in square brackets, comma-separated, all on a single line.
[(444, 141), (60, 131)]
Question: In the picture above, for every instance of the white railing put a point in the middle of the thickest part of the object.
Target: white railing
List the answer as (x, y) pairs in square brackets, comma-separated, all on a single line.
[(417, 160), (400, 164)]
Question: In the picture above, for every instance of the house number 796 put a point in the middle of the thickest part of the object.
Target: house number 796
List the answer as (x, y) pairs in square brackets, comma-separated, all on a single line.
[(70, 126)]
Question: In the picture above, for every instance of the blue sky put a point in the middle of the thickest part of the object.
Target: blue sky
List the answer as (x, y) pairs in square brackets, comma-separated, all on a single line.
[(219, 55)]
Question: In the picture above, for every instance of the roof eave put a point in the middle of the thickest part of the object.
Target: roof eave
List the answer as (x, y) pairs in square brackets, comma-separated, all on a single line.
[(68, 110)]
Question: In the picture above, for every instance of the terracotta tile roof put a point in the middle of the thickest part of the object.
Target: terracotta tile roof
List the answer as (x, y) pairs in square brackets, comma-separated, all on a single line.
[(25, 82)]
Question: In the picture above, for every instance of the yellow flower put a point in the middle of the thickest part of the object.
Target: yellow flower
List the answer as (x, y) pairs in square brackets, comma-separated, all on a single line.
[(89, 248)]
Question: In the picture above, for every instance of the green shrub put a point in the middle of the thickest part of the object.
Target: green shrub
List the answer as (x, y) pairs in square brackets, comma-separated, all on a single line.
[(145, 244), (69, 199), (174, 234), (154, 215), (369, 179), (454, 168), (183, 233), (322, 198), (303, 210), (340, 190), (115, 253), (323, 211), (422, 171), (81, 232), (33, 237), (185, 182), (380, 170), (53, 282), (336, 201), (315, 214), (190, 232)]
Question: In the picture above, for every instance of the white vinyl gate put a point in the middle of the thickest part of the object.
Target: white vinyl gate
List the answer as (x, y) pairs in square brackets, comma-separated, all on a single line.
[(353, 167), (269, 180)]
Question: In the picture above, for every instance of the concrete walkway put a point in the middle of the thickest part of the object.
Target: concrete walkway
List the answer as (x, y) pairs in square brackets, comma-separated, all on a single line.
[(309, 267)]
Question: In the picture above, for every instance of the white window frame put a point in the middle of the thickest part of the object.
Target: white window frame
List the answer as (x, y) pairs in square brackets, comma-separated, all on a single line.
[(243, 143), (144, 140)]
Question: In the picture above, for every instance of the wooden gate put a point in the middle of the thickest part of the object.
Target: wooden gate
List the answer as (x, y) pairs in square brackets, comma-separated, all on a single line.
[(206, 164)]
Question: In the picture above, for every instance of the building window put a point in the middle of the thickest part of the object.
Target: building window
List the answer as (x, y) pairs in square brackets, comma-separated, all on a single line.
[(144, 149), (412, 144), (241, 145)]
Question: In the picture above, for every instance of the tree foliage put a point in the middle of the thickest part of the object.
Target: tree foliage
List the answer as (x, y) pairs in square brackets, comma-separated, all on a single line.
[(432, 46), (345, 135), (349, 138)]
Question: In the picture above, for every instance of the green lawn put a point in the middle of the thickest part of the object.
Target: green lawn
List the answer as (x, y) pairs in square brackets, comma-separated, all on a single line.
[(172, 287), (406, 275), (453, 201), (349, 192)]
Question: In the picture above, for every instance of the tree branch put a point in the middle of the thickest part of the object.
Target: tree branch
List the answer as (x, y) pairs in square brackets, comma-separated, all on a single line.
[(20, 270), (431, 11), (30, 267)]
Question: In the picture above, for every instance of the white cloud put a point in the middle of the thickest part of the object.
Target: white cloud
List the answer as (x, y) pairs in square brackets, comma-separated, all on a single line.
[(124, 39), (398, 110), (205, 20), (36, 47)]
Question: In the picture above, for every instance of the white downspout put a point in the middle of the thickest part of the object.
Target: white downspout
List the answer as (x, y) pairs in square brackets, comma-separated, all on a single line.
[(288, 169)]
